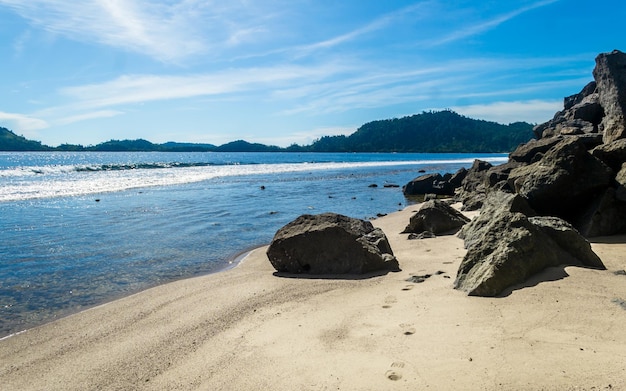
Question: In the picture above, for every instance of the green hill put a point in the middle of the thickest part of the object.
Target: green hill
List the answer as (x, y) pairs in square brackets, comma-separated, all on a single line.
[(442, 131), (9, 141)]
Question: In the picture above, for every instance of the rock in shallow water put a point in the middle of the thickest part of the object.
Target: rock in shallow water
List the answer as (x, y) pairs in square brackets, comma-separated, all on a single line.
[(331, 243)]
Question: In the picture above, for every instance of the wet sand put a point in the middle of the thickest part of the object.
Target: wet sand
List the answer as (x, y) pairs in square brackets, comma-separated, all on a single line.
[(248, 329)]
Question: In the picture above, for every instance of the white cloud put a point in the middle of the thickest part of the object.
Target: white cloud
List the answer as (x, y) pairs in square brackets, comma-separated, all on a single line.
[(23, 123), (165, 32), (88, 116), (532, 111), (483, 26)]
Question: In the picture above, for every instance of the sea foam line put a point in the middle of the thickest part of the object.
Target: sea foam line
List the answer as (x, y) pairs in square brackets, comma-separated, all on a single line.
[(65, 182)]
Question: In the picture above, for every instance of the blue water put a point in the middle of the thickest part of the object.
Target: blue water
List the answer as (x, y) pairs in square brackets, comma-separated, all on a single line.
[(80, 229)]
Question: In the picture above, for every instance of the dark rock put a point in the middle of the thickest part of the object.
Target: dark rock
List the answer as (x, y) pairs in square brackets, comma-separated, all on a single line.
[(373, 185), (473, 189), (525, 153), (330, 243), (437, 217), (620, 179), (612, 154), (428, 184), (500, 174), (456, 180), (390, 185), (513, 247), (565, 179), (610, 76), (575, 99), (604, 216)]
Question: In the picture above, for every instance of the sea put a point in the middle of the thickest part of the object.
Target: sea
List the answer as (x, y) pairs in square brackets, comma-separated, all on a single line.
[(79, 229)]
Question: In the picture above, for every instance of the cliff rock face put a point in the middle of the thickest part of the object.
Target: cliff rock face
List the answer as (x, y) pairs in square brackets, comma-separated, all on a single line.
[(610, 76)]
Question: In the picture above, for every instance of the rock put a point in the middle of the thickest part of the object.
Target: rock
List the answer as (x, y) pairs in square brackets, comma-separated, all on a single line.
[(437, 217), (525, 153), (610, 76), (563, 181), (612, 154), (606, 215), (422, 235), (498, 205), (473, 190), (331, 243), (428, 184), (456, 180), (620, 179), (513, 247)]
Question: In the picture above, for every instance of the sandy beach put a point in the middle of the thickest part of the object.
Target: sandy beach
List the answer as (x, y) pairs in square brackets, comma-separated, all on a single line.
[(248, 329)]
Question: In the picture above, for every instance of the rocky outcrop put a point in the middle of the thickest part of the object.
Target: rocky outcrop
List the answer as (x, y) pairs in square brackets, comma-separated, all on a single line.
[(610, 76), (437, 217), (563, 180), (330, 243), (506, 247)]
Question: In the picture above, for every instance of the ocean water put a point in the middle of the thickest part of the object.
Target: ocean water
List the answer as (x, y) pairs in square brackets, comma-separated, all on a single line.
[(78, 229)]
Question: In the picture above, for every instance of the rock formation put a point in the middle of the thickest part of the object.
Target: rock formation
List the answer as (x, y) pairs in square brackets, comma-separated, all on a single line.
[(437, 217), (331, 243), (572, 179)]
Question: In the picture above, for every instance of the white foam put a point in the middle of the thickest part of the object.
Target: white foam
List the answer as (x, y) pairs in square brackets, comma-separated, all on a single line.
[(23, 183)]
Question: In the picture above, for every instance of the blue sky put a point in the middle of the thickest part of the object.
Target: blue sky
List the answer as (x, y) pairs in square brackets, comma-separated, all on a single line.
[(287, 71)]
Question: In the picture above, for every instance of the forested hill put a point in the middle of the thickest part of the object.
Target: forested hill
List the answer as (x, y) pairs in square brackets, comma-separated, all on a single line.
[(442, 131), (9, 141)]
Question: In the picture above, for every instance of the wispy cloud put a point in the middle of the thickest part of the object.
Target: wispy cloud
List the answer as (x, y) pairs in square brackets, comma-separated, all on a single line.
[(23, 123), (533, 111), (483, 26), (130, 89), (88, 116), (133, 25)]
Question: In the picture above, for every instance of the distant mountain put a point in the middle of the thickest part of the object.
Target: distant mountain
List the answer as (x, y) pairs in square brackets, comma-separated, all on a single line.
[(9, 141), (441, 131), (244, 146)]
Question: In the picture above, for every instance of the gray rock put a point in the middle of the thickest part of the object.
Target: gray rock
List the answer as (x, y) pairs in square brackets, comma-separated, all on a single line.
[(525, 153), (512, 247), (620, 179), (498, 205), (331, 243), (563, 181), (437, 217), (473, 191), (428, 184), (612, 154), (610, 76)]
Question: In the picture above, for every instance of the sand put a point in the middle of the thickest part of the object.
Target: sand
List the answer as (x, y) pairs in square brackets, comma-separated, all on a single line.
[(248, 329)]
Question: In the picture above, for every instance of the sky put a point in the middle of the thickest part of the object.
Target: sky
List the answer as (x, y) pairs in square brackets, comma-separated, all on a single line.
[(280, 72)]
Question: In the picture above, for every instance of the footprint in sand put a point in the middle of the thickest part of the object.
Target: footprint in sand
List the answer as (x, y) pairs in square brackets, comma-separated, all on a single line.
[(394, 373), (389, 300), (407, 287), (408, 328)]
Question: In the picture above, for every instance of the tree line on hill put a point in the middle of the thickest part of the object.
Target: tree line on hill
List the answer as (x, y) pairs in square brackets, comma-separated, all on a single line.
[(434, 131)]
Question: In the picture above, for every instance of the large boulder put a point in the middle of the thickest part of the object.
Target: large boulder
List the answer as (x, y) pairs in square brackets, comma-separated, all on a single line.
[(331, 243), (437, 217), (429, 184), (612, 154), (497, 206), (610, 76), (509, 247), (565, 179)]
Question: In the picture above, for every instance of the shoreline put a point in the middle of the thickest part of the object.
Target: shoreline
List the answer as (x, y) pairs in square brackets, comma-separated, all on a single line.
[(246, 328)]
